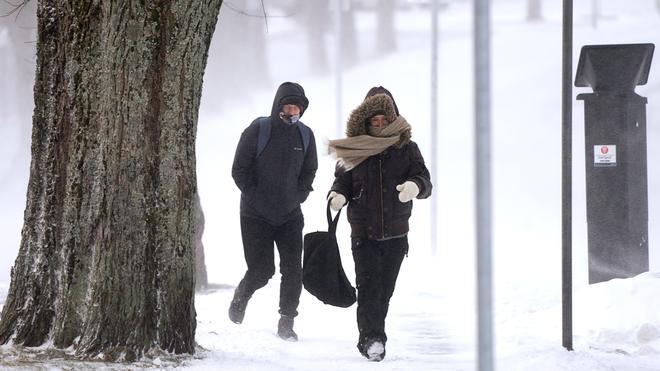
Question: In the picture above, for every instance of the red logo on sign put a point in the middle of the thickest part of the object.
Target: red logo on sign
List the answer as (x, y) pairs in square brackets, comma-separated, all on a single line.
[(604, 150)]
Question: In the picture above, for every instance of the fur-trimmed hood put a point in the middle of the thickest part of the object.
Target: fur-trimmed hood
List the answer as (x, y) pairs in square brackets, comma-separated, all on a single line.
[(377, 104)]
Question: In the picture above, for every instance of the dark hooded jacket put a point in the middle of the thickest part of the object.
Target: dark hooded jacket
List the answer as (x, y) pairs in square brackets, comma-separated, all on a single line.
[(374, 209), (274, 184)]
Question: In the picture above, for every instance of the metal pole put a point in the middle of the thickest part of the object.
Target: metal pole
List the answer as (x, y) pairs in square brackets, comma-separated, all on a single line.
[(338, 67), (434, 122), (483, 185), (566, 176)]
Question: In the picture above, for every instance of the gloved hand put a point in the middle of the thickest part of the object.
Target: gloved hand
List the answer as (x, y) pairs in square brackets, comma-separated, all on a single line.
[(407, 191), (337, 200)]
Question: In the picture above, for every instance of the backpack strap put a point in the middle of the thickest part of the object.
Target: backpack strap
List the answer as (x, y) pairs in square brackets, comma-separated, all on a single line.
[(305, 134), (264, 134)]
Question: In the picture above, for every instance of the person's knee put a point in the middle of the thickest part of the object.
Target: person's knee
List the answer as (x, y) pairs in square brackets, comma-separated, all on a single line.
[(365, 280), (266, 274), (291, 267), (261, 276)]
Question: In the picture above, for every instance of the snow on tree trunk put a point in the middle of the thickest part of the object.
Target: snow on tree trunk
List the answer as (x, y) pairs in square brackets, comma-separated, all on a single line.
[(106, 262)]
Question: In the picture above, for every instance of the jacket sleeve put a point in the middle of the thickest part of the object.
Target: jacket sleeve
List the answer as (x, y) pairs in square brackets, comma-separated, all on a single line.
[(243, 169), (309, 167), (343, 183), (418, 172)]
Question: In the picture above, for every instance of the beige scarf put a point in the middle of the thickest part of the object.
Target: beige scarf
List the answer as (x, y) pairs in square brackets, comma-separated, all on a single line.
[(352, 151)]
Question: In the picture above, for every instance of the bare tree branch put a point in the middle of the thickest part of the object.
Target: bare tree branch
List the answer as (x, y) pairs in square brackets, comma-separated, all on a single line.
[(263, 15), (16, 8)]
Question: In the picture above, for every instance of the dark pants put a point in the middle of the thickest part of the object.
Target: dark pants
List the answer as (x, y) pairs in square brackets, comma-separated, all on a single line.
[(377, 266), (258, 238)]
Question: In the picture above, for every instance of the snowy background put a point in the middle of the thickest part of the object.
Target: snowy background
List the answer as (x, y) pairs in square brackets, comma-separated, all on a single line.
[(431, 324)]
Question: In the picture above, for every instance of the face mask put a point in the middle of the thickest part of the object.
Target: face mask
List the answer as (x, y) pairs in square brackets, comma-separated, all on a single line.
[(289, 119)]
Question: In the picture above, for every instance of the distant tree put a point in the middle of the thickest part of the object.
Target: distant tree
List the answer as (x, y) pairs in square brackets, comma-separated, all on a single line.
[(240, 66), (349, 36), (18, 55), (18, 35), (386, 34), (595, 13), (316, 18), (534, 10), (106, 262)]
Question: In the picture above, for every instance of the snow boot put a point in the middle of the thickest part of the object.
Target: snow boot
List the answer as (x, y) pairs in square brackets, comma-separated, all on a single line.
[(285, 329), (374, 350), (238, 305)]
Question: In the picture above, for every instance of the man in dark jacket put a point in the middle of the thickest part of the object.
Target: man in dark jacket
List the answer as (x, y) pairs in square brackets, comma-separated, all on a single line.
[(380, 171), (274, 173)]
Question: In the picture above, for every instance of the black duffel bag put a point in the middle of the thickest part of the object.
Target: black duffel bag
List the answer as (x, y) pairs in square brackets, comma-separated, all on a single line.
[(323, 274)]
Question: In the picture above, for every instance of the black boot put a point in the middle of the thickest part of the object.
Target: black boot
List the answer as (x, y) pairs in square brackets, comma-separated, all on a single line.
[(238, 305), (285, 329), (373, 350)]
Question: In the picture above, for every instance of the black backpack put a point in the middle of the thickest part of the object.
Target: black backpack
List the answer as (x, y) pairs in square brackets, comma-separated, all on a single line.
[(264, 134)]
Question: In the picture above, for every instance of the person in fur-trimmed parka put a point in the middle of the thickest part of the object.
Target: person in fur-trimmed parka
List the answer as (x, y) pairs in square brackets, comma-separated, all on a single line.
[(380, 170)]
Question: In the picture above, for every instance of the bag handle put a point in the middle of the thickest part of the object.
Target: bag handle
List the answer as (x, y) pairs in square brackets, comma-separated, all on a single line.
[(332, 223)]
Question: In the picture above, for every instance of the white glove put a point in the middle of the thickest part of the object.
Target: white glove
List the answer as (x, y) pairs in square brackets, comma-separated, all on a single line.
[(407, 191), (337, 200)]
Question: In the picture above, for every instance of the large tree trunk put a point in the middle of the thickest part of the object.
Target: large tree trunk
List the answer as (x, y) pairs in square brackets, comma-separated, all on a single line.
[(106, 262)]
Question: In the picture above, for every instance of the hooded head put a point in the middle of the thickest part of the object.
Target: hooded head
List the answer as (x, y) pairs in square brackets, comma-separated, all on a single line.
[(377, 102), (381, 90), (289, 93)]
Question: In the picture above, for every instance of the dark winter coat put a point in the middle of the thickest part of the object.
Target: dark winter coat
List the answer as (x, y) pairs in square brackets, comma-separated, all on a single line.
[(374, 209), (274, 184)]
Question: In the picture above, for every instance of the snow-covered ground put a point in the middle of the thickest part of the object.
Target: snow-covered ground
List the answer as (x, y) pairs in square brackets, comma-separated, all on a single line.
[(431, 323)]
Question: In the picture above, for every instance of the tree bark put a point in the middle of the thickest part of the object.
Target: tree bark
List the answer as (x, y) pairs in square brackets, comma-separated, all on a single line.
[(106, 262)]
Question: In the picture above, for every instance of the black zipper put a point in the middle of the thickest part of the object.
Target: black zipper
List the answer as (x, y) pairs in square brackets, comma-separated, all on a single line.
[(382, 207)]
